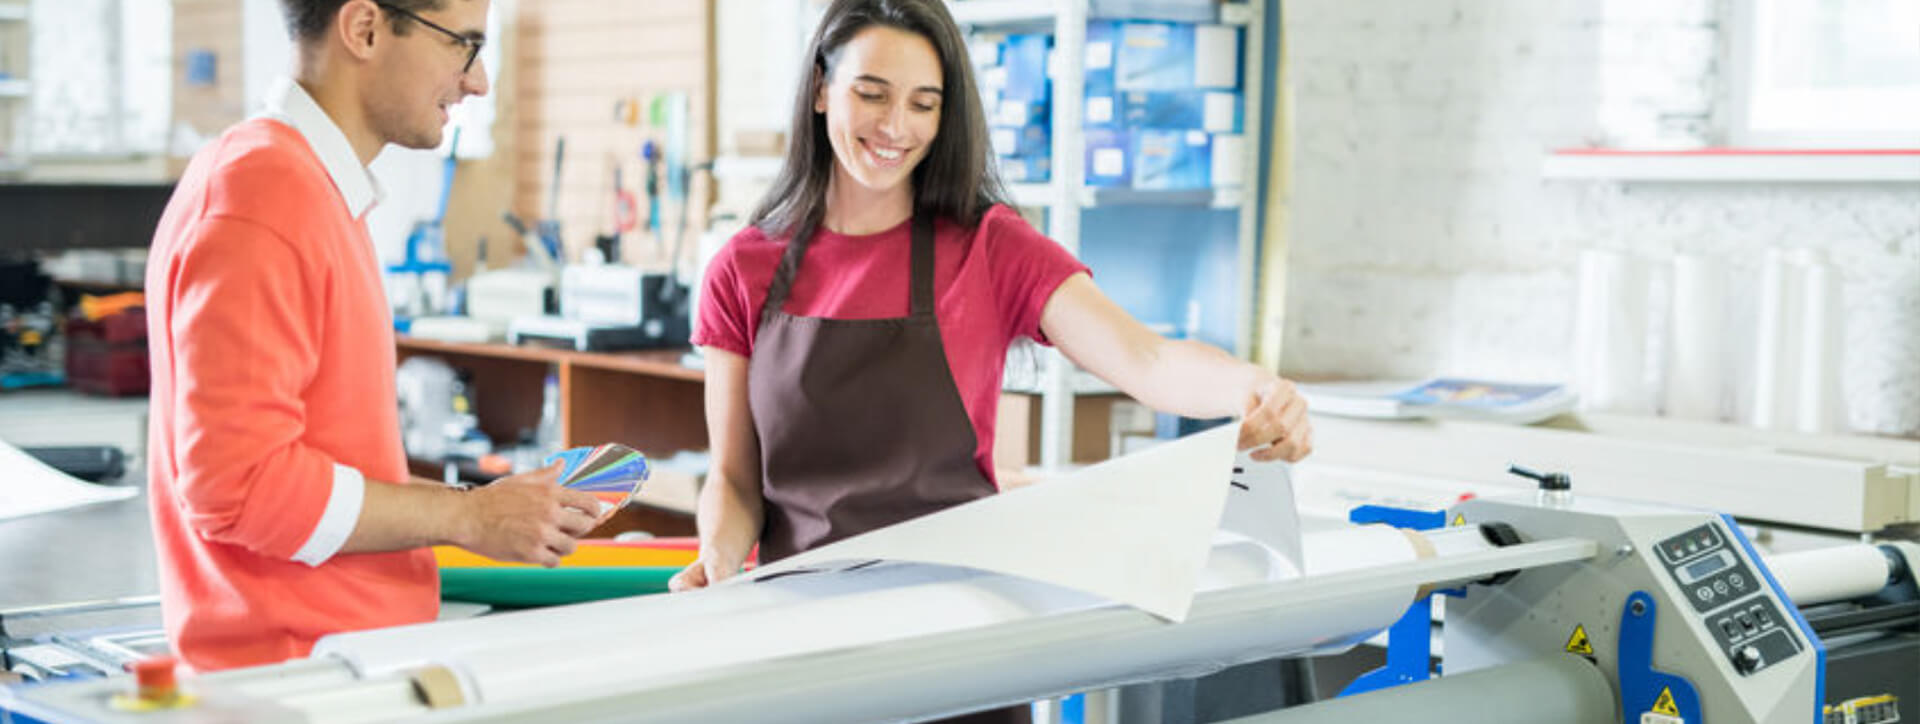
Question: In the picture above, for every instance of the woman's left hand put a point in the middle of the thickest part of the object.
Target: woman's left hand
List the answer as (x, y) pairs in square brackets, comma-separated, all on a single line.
[(1276, 422)]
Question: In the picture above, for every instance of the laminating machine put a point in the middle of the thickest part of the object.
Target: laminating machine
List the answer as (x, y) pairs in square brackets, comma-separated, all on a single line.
[(1560, 610)]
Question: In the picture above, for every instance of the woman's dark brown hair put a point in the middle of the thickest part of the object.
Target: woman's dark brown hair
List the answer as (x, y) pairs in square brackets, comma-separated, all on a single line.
[(956, 180)]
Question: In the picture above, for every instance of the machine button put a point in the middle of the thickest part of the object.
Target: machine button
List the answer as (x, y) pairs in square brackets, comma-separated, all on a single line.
[(1726, 626), (1737, 580), (1760, 614), (1720, 587), (1746, 659), (1705, 593), (1746, 622)]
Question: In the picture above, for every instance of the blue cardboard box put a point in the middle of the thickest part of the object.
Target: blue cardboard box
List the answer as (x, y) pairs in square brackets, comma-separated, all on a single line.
[(1029, 140), (1153, 56), (1211, 111), (1102, 108), (1109, 158), (1008, 113), (1160, 56), (1025, 58), (1165, 160), (1026, 169)]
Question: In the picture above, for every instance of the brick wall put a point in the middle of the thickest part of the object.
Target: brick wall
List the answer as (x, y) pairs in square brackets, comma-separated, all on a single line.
[(1422, 238)]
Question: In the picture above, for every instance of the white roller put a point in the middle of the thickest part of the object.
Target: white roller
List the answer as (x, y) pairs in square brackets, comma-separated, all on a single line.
[(1365, 546), (1830, 574), (618, 643), (888, 642)]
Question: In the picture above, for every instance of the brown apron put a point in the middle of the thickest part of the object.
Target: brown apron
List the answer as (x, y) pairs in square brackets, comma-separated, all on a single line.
[(861, 425)]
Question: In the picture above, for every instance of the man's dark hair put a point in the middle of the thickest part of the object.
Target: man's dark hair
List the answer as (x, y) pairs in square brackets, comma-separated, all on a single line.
[(308, 19)]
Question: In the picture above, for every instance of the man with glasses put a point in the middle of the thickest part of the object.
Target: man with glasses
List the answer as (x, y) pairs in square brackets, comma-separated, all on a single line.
[(282, 505)]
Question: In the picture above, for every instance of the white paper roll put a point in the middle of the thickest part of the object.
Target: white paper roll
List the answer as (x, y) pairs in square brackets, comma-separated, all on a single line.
[(1696, 378), (1818, 407), (1610, 334), (1830, 574), (1357, 547), (1776, 343)]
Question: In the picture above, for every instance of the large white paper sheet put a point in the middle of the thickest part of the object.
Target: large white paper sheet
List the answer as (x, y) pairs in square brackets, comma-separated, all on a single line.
[(29, 487), (1135, 529), (1260, 506)]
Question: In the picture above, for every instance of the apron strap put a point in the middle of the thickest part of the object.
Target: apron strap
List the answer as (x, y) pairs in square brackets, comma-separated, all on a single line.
[(922, 304)]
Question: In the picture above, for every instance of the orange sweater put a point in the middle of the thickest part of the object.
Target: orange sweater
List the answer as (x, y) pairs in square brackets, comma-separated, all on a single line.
[(273, 361)]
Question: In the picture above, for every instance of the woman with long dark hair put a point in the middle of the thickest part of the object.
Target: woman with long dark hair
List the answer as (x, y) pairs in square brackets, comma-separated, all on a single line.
[(858, 328)]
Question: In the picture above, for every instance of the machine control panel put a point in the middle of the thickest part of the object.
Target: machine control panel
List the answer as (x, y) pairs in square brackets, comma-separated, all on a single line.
[(1730, 597)]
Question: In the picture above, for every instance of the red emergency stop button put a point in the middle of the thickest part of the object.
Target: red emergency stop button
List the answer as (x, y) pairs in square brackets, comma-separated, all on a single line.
[(155, 679)]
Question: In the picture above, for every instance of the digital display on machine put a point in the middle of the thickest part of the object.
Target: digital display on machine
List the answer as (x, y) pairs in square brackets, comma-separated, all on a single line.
[(1706, 567)]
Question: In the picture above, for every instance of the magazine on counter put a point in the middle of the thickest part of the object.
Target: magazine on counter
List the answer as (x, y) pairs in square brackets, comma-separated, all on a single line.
[(1445, 397)]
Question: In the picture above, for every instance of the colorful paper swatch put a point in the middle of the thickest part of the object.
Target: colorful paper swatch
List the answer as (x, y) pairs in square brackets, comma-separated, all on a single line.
[(612, 471)]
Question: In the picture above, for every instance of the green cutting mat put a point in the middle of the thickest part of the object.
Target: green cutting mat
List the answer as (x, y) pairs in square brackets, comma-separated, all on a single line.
[(551, 586)]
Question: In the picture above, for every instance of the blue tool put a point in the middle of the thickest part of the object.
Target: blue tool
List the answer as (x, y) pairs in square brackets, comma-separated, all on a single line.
[(550, 227), (650, 152), (426, 251)]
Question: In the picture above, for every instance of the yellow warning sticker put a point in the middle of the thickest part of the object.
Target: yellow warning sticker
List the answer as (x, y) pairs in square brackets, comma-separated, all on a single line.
[(1578, 643), (1664, 704), (1459, 519)]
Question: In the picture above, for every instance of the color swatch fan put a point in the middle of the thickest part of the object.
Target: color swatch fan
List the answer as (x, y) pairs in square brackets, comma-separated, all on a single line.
[(612, 472)]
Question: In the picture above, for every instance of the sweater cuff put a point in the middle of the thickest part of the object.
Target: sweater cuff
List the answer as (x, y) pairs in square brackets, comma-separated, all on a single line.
[(337, 523)]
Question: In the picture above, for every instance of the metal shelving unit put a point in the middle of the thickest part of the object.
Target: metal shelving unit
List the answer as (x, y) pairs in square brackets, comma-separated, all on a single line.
[(1065, 196), (15, 90)]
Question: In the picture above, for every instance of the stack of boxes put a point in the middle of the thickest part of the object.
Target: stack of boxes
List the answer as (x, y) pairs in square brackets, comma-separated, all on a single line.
[(1163, 106), (1015, 91), (108, 356)]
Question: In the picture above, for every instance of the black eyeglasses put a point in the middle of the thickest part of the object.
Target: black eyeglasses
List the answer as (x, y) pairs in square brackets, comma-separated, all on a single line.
[(472, 44)]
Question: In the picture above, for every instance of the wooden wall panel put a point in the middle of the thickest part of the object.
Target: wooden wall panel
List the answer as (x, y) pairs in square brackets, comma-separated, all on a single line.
[(575, 62), (208, 25), (567, 64)]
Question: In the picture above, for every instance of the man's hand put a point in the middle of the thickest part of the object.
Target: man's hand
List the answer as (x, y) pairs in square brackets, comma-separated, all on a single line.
[(1276, 422), (526, 518)]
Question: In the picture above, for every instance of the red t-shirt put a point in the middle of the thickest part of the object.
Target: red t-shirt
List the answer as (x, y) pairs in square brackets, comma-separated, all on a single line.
[(990, 284)]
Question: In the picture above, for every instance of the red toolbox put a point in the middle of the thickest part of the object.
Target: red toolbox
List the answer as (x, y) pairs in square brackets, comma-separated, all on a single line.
[(109, 356)]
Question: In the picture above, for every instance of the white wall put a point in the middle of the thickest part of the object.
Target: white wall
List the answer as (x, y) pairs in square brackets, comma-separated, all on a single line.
[(1423, 239)]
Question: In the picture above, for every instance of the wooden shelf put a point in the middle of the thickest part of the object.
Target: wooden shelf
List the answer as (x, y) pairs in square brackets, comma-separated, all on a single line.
[(1003, 12), (1736, 165), (657, 362), (1092, 197), (646, 400)]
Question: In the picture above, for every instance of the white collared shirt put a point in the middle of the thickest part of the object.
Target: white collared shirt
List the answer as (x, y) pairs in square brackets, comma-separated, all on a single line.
[(290, 104)]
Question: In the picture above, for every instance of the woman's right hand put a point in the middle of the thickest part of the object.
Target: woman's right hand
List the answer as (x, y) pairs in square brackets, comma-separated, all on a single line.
[(701, 573)]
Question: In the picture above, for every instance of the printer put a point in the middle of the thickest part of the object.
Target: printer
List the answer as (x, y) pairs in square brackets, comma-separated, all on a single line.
[(606, 307)]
